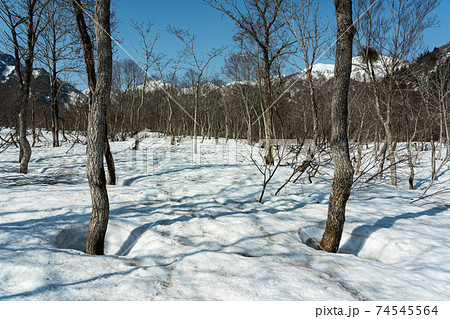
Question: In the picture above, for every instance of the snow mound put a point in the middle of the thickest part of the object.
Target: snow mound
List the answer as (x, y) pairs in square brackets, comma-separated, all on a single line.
[(116, 238), (365, 244), (122, 239)]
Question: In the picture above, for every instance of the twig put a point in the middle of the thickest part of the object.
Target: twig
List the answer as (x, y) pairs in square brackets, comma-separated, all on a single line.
[(442, 191)]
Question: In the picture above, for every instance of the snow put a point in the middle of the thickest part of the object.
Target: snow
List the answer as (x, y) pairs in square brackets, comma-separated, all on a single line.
[(37, 73), (231, 84), (190, 228), (77, 97), (152, 85), (325, 72), (8, 70)]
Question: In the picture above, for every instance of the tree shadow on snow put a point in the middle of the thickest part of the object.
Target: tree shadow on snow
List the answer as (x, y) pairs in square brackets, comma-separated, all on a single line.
[(189, 211), (361, 234), (55, 287)]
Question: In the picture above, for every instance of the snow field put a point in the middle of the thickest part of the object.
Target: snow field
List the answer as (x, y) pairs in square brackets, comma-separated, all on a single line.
[(186, 227)]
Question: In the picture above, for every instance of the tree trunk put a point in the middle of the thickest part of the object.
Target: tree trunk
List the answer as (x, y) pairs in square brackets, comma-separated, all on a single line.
[(33, 123), (97, 132), (410, 165), (267, 110), (391, 149), (111, 179), (343, 170), (387, 124), (88, 48), (25, 148), (54, 107), (196, 104), (383, 160)]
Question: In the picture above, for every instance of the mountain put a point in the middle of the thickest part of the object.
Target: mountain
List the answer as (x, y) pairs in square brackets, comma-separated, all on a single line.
[(6, 66), (324, 72), (41, 84), (431, 61)]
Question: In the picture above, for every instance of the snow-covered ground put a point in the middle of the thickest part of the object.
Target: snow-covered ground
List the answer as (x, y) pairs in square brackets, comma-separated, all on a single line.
[(189, 228)]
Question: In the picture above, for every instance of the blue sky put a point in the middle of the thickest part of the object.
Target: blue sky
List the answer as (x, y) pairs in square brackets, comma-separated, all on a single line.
[(213, 30), (207, 24)]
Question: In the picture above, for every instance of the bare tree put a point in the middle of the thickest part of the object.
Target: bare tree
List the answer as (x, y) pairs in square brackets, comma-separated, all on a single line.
[(439, 84), (241, 69), (127, 76), (97, 131), (56, 52), (23, 19), (343, 170), (200, 64), (147, 43), (260, 21), (390, 33), (304, 23), (168, 84)]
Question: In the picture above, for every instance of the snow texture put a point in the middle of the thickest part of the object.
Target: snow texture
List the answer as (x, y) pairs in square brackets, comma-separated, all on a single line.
[(185, 227)]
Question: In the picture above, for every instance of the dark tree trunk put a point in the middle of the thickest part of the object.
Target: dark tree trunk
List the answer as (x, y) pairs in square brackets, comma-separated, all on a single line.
[(111, 180), (97, 132), (54, 106), (88, 48), (33, 123), (267, 107), (25, 148), (25, 87), (343, 170)]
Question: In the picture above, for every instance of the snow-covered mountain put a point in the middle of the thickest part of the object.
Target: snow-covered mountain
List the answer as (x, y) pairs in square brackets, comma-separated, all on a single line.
[(6, 66), (152, 85), (68, 93), (325, 72)]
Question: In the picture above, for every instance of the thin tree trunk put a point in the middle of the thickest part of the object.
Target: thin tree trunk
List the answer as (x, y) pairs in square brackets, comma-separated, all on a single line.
[(411, 165), (111, 179), (387, 124), (393, 165), (267, 110), (25, 148), (343, 170), (54, 107), (359, 148), (196, 104), (97, 133), (383, 160), (433, 158), (33, 123)]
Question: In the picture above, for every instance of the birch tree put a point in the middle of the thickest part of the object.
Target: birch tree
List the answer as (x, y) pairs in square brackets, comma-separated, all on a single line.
[(390, 33)]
